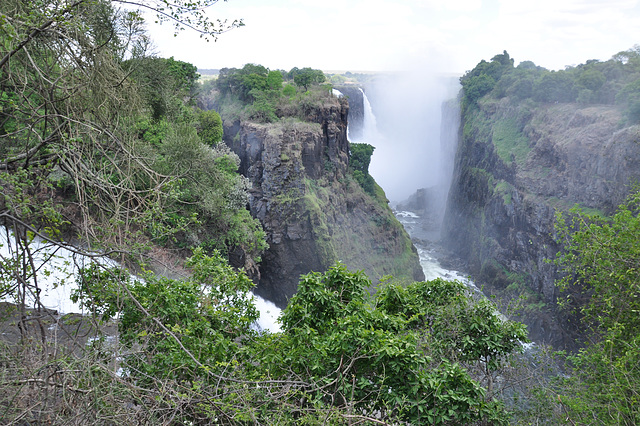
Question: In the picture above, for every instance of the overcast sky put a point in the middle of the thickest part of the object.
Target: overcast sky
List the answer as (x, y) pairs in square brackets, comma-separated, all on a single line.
[(379, 35)]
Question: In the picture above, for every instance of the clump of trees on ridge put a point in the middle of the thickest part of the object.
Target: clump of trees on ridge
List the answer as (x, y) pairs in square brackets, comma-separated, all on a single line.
[(257, 93), (613, 82)]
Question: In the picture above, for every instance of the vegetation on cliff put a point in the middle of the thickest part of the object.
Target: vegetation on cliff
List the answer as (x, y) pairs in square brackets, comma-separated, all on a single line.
[(359, 160), (528, 146), (425, 353), (254, 92), (612, 82), (601, 257), (102, 144), (535, 142), (105, 149)]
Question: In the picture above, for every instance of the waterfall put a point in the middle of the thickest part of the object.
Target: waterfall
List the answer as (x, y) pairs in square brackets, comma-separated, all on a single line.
[(56, 269), (448, 146), (370, 126), (402, 120)]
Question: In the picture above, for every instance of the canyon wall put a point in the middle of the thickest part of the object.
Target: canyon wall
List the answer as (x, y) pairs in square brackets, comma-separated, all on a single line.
[(313, 212), (517, 164)]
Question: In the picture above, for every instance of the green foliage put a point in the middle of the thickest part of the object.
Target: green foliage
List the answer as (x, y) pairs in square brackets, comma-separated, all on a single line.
[(555, 86), (477, 86), (504, 189), (289, 90), (483, 77), (360, 156), (256, 93), (152, 131), (181, 325), (211, 190), (600, 258), (274, 80), (105, 151), (263, 109), (397, 355), (308, 76), (591, 79), (210, 127), (365, 181), (593, 82), (359, 160), (511, 144), (629, 96), (166, 84)]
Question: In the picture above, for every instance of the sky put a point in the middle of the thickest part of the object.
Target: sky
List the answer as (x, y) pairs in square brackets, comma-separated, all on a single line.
[(449, 36)]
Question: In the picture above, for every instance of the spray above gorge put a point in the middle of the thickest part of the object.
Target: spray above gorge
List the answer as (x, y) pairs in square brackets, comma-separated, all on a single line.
[(403, 121)]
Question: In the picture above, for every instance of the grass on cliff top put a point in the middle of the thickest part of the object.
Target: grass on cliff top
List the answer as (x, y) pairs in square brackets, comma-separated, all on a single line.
[(511, 144)]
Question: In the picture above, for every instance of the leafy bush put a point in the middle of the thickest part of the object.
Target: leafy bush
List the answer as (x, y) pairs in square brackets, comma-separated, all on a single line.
[(359, 160), (256, 93), (397, 355), (209, 127), (600, 259)]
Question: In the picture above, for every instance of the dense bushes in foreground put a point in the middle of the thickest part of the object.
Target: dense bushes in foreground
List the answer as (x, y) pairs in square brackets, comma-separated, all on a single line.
[(187, 353)]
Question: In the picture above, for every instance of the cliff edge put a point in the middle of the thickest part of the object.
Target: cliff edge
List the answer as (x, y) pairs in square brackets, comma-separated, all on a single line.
[(312, 210), (516, 164)]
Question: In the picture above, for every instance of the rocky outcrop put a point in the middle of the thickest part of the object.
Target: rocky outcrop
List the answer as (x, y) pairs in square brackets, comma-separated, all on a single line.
[(516, 165), (314, 214), (353, 94)]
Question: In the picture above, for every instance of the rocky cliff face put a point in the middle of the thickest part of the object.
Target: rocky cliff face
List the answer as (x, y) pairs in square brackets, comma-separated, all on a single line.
[(356, 110), (516, 165), (313, 212)]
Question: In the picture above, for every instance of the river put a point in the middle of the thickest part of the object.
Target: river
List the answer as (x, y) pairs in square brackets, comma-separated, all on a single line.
[(428, 250), (56, 268)]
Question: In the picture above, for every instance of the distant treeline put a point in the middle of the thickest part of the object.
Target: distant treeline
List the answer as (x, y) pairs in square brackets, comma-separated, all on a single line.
[(615, 82)]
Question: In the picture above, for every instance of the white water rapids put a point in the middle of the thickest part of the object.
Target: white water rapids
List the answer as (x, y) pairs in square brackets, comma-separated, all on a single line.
[(430, 264), (55, 271)]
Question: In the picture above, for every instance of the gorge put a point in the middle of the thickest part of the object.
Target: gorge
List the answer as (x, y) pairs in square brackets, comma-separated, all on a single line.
[(518, 162), (161, 199)]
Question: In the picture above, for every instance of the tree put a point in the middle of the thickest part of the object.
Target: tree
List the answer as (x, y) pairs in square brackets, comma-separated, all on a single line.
[(210, 128), (359, 159), (308, 76), (74, 162), (274, 80), (477, 86), (398, 355), (601, 259), (555, 86), (629, 97)]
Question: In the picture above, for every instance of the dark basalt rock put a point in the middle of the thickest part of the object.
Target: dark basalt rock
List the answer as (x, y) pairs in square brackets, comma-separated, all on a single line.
[(314, 214), (500, 214)]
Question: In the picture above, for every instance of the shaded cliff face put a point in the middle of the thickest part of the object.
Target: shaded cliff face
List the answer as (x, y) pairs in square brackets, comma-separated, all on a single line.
[(516, 164), (313, 212), (356, 110)]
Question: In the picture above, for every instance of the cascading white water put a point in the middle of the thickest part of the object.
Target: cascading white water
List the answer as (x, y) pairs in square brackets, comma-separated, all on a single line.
[(433, 136), (402, 119), (369, 126), (57, 267)]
